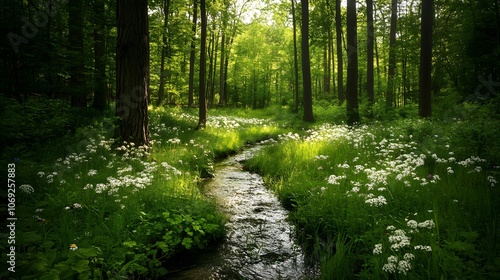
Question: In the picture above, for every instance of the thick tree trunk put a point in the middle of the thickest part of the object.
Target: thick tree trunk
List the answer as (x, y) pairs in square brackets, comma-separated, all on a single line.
[(77, 69), (295, 60), (192, 54), (306, 64), (132, 70), (389, 97), (352, 65), (100, 92), (369, 54), (340, 65), (202, 113), (424, 103)]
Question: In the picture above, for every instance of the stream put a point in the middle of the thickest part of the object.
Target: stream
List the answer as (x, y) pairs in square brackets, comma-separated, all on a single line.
[(259, 241)]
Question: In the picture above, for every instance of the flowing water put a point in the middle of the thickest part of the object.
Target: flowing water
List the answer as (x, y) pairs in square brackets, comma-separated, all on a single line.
[(259, 240)]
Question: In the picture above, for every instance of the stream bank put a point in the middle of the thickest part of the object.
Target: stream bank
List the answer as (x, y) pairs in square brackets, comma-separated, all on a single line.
[(259, 241)]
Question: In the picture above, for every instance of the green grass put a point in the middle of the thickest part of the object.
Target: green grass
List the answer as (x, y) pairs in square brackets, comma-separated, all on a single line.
[(126, 209), (405, 187), (427, 189)]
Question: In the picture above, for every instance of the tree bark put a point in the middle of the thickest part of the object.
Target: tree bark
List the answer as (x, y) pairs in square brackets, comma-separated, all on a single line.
[(77, 68), (352, 65), (132, 70), (306, 64), (340, 65), (222, 99), (425, 80), (369, 54), (192, 54), (295, 60), (202, 113), (389, 97), (161, 90), (100, 93), (326, 68)]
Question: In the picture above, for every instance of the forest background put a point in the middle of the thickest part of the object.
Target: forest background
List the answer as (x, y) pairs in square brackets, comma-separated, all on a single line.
[(359, 62)]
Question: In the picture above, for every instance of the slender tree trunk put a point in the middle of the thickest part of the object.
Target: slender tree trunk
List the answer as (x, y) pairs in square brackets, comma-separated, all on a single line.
[(132, 70), (377, 61), (202, 113), (352, 65), (77, 69), (192, 55), (404, 77), (369, 54), (222, 98), (226, 65), (295, 59), (161, 90), (306, 64), (330, 61), (100, 92), (332, 65), (424, 103), (340, 63), (213, 70), (389, 97), (326, 68)]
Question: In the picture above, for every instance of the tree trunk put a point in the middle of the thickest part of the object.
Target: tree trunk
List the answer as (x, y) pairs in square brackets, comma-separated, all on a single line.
[(222, 98), (340, 65), (132, 70), (369, 54), (424, 102), (352, 65), (100, 92), (202, 113), (326, 68), (161, 90), (295, 59), (306, 64), (214, 70), (192, 55), (389, 97), (77, 68)]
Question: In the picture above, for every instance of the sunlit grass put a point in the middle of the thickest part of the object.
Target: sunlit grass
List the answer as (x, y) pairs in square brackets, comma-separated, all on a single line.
[(108, 209), (406, 207)]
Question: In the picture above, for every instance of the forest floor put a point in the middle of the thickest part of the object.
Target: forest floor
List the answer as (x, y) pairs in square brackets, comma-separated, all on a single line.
[(405, 198)]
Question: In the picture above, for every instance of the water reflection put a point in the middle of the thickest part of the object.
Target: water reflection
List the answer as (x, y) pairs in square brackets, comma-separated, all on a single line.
[(259, 242)]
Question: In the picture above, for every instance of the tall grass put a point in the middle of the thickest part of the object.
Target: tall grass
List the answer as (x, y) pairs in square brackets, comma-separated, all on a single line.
[(388, 200), (110, 209)]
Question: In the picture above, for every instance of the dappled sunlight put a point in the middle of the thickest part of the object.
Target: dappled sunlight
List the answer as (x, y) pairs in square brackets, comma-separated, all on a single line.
[(389, 180)]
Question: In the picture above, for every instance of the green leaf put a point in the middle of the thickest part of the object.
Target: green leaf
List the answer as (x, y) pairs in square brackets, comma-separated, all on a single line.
[(30, 237), (187, 242), (130, 243), (162, 245), (87, 252), (81, 266), (52, 275)]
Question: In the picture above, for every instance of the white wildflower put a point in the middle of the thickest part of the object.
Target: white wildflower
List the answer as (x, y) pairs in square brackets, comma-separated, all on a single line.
[(377, 202), (28, 189), (378, 249)]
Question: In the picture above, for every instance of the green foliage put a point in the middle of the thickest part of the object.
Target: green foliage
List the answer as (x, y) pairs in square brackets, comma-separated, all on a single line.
[(408, 186), (112, 210)]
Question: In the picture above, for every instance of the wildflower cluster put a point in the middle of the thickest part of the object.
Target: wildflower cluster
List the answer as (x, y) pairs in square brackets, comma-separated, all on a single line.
[(399, 241)]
